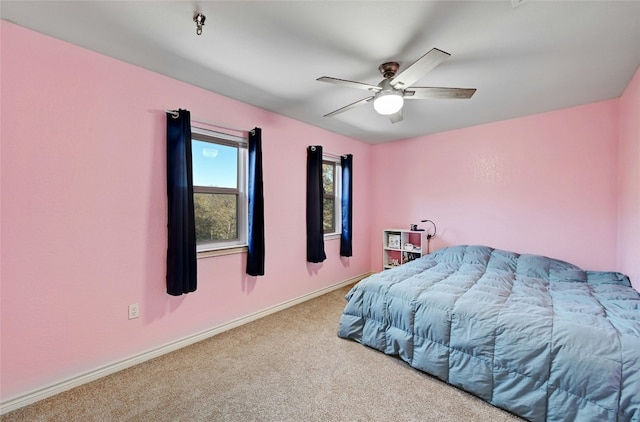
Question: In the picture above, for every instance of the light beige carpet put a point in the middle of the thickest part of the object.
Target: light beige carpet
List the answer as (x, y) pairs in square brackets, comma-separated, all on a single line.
[(289, 366)]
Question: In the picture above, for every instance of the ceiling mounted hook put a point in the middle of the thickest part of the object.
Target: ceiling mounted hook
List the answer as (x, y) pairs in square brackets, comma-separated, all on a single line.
[(199, 18)]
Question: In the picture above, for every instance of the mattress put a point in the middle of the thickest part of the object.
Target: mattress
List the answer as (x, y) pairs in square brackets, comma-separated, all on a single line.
[(537, 336)]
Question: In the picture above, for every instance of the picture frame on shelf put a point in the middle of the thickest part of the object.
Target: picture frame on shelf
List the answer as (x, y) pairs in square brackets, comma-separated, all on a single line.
[(393, 241)]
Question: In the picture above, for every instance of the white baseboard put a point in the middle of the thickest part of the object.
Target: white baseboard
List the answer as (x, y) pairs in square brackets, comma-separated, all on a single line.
[(43, 393)]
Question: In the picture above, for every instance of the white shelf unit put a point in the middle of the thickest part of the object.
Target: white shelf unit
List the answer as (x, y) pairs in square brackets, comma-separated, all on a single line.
[(401, 246)]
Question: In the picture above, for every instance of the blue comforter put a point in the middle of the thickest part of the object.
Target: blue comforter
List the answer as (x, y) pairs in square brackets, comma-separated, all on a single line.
[(536, 336)]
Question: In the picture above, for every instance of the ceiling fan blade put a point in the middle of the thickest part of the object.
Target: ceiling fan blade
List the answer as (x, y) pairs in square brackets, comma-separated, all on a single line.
[(396, 117), (423, 93), (418, 69), (352, 84), (350, 106)]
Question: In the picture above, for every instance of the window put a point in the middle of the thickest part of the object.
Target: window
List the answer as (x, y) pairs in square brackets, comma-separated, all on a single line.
[(219, 189), (331, 196)]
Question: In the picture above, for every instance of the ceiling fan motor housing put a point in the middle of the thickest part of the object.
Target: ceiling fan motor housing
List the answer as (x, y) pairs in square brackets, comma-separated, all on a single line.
[(386, 86)]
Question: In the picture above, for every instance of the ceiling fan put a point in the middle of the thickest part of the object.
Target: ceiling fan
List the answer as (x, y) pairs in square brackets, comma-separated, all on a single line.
[(389, 95)]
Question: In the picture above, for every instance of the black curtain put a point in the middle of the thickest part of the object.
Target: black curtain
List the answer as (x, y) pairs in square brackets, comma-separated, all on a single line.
[(315, 232), (346, 162), (255, 257), (181, 247)]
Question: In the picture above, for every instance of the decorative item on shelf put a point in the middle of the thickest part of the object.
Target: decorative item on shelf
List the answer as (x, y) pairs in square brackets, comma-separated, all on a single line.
[(408, 246), (394, 241), (408, 257), (394, 263), (413, 227)]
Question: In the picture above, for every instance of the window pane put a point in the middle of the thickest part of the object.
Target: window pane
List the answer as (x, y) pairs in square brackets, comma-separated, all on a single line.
[(327, 177), (216, 216), (328, 214), (214, 165)]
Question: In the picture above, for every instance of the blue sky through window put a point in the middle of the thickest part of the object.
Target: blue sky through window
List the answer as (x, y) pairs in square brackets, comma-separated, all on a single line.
[(214, 165)]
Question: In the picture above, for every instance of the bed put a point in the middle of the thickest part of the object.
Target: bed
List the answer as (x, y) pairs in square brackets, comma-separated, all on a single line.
[(536, 336)]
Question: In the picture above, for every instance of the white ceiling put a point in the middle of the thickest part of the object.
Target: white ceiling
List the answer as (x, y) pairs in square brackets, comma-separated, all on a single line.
[(530, 58)]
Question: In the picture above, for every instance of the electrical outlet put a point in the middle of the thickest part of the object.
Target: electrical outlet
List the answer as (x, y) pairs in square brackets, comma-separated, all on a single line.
[(134, 311)]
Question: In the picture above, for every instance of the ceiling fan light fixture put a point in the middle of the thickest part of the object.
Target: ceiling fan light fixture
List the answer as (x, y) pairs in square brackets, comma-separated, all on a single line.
[(387, 103)]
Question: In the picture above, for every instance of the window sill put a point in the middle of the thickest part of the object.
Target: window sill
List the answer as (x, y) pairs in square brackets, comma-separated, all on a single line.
[(332, 236), (222, 251)]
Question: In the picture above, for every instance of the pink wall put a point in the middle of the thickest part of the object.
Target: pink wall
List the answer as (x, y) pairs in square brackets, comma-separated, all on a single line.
[(543, 184), (629, 183), (84, 213)]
